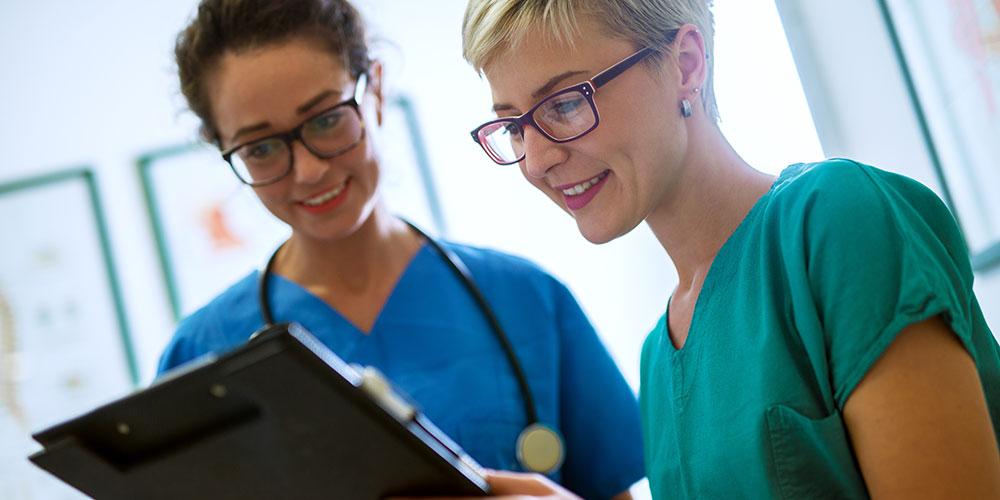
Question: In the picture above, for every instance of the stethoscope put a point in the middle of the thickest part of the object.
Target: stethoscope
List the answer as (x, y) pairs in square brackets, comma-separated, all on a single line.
[(539, 447)]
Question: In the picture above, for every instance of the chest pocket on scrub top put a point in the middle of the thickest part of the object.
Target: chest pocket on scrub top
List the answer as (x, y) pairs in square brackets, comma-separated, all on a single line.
[(812, 457)]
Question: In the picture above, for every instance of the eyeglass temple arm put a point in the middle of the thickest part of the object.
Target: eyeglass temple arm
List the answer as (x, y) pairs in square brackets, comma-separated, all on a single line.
[(607, 75), (359, 88)]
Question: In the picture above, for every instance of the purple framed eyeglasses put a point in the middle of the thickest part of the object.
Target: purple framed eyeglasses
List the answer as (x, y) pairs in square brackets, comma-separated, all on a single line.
[(563, 116)]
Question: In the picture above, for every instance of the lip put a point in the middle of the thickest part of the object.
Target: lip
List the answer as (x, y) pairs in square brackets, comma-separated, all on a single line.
[(571, 184), (328, 205), (577, 201)]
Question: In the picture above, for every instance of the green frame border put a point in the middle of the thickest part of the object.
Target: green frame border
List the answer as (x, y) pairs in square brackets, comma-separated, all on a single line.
[(423, 163), (987, 259), (981, 261), (145, 163), (87, 176)]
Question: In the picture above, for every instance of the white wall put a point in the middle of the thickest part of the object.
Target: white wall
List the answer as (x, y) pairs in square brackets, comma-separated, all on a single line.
[(89, 83)]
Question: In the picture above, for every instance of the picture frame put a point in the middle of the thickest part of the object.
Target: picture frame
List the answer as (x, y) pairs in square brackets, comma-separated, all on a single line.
[(211, 230), (65, 344), (949, 53)]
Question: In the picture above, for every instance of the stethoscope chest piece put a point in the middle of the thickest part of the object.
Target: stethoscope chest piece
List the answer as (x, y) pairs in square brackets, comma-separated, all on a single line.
[(540, 449)]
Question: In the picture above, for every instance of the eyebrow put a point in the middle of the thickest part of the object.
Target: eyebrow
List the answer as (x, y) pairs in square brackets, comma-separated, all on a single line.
[(543, 90), (316, 100), (304, 108)]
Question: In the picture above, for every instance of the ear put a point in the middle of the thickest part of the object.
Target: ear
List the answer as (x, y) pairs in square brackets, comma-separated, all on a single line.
[(376, 88), (689, 51)]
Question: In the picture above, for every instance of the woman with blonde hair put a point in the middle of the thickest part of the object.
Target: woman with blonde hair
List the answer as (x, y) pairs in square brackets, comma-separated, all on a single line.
[(823, 341)]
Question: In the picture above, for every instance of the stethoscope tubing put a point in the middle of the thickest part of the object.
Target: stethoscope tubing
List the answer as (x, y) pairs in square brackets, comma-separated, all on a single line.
[(465, 276)]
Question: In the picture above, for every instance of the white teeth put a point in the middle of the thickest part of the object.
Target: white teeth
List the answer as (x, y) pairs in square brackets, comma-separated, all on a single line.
[(585, 185), (325, 197)]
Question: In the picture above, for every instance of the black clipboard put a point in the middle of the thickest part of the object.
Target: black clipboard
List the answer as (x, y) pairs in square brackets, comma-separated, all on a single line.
[(280, 417)]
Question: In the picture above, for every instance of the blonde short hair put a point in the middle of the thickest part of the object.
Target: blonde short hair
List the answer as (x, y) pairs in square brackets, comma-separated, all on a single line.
[(492, 26)]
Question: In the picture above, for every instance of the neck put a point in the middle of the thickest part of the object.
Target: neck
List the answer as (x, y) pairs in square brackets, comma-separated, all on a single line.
[(712, 193), (374, 253)]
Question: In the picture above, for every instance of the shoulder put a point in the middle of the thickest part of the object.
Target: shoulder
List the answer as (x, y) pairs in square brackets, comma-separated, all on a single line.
[(491, 264), (831, 182), (837, 218), (237, 304), (841, 184), (216, 326), (845, 197), (844, 220), (492, 259), (507, 277)]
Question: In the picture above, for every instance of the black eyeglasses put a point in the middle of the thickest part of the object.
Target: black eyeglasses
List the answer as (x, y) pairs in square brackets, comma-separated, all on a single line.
[(331, 132), (563, 116)]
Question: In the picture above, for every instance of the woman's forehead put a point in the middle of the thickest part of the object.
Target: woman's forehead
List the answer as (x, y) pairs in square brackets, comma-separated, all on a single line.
[(538, 62), (273, 80)]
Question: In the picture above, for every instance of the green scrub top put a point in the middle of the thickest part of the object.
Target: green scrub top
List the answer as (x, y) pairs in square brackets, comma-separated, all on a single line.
[(812, 287)]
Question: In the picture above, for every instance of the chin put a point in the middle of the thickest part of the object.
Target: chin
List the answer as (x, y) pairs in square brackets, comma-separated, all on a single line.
[(598, 234), (600, 230), (334, 229)]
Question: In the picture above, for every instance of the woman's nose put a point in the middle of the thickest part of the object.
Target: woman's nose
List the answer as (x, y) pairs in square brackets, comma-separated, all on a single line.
[(308, 168), (540, 153)]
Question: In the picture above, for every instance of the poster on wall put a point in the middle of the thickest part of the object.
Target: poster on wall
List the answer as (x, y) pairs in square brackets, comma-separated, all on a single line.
[(951, 53), (64, 341), (211, 229)]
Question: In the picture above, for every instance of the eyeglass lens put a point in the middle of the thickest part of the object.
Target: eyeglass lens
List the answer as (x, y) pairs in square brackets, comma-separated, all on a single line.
[(325, 135), (561, 116)]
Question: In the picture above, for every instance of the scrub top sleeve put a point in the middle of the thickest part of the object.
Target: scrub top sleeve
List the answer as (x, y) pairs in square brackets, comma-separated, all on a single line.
[(599, 413), (883, 252), (183, 347), (171, 356)]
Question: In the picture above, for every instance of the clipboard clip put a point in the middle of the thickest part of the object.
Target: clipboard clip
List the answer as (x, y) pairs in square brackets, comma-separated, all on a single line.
[(378, 388)]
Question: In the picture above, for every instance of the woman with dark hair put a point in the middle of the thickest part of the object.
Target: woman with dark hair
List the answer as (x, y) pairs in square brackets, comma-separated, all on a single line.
[(289, 94)]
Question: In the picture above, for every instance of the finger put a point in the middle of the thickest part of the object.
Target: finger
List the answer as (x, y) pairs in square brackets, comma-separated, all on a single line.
[(514, 483)]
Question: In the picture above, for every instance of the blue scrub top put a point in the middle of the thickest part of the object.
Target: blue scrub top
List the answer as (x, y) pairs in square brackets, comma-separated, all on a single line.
[(434, 343)]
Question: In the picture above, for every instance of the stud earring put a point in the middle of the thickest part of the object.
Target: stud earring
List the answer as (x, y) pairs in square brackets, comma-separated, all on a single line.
[(685, 108)]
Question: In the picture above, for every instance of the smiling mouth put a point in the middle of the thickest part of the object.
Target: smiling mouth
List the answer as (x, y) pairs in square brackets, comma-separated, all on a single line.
[(582, 187), (322, 198)]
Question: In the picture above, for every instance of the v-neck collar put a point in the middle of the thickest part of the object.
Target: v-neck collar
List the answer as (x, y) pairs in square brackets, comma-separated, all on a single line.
[(721, 265), (288, 296)]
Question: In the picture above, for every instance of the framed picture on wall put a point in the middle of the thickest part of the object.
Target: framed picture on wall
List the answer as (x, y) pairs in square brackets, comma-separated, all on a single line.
[(211, 229), (950, 54), (65, 345)]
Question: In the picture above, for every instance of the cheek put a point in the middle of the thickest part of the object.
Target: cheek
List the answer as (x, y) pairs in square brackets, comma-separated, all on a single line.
[(369, 166), (269, 195), (534, 181), (363, 162)]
